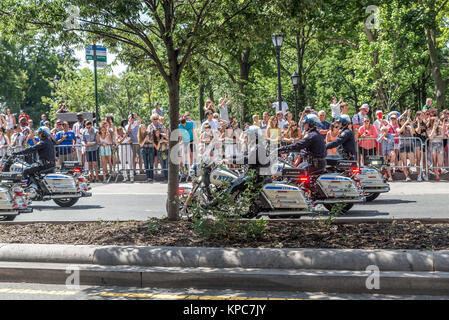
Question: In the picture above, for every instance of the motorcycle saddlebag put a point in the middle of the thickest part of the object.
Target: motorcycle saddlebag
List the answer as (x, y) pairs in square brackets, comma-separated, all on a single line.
[(336, 186), (60, 183)]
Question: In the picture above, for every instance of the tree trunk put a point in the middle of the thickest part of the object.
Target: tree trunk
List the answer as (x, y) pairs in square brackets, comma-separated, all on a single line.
[(379, 93), (201, 101), (173, 166), (245, 67), (429, 30), (300, 51), (440, 84), (211, 90)]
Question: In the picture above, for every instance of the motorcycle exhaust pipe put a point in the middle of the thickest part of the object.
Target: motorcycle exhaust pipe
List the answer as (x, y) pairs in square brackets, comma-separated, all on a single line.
[(62, 196), (332, 201)]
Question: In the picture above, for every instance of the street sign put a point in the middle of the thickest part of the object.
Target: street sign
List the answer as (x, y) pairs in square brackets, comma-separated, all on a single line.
[(100, 64), (101, 53)]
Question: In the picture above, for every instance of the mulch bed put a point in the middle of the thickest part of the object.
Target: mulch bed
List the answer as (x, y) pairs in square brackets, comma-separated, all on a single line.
[(280, 234)]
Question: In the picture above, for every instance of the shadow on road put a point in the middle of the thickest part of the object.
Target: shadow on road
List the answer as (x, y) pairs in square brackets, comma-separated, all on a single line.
[(351, 214), (58, 208), (387, 201)]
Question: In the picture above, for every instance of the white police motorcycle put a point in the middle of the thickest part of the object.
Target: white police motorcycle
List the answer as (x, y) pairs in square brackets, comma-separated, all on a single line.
[(64, 189), (284, 189)]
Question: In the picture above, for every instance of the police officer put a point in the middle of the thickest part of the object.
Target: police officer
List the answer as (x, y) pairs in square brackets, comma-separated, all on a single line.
[(312, 145), (44, 149), (345, 143)]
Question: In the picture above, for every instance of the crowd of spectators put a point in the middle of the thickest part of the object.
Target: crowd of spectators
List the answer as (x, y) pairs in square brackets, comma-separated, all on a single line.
[(106, 149), (407, 143)]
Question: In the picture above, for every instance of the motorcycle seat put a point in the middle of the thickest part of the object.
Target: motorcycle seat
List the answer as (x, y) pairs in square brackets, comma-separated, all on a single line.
[(46, 171), (340, 162)]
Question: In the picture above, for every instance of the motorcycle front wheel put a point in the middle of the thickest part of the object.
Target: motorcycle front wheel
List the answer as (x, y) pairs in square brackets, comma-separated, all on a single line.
[(65, 203), (340, 208)]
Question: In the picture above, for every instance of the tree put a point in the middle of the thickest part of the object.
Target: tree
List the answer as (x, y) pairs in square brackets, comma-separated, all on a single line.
[(167, 32), (431, 10)]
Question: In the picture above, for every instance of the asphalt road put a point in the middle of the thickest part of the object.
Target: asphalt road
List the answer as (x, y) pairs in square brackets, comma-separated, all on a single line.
[(33, 291), (140, 201)]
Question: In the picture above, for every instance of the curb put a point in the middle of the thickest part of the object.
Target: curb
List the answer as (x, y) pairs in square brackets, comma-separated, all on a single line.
[(261, 258), (302, 219), (327, 281), (308, 270)]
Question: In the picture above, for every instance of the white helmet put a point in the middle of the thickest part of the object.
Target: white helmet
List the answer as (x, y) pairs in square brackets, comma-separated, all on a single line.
[(44, 130), (312, 119)]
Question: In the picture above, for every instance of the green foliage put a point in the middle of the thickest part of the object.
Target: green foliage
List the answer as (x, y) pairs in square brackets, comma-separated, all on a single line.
[(153, 226), (25, 66), (223, 219), (326, 42)]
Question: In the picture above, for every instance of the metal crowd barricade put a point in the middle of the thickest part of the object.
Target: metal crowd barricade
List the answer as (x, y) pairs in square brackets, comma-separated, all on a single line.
[(367, 147), (412, 146), (122, 160), (437, 155), (125, 154)]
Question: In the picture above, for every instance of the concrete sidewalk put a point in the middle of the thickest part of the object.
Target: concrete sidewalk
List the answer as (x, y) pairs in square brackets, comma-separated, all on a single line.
[(314, 270)]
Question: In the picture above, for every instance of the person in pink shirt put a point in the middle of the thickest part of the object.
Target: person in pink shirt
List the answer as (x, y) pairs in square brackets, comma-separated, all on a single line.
[(367, 139), (393, 130)]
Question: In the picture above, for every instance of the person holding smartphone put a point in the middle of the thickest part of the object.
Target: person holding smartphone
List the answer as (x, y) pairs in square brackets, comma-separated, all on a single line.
[(66, 140), (436, 133), (223, 107), (406, 132)]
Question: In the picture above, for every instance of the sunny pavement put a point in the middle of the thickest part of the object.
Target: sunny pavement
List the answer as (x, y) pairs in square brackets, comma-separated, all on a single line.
[(140, 201), (32, 291)]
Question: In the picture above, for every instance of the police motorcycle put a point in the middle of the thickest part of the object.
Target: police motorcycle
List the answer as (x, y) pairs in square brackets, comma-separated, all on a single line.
[(371, 177), (285, 190), (13, 199), (64, 189), (214, 178)]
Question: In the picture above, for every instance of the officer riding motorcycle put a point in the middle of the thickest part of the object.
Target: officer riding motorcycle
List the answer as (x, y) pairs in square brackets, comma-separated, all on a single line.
[(46, 151), (372, 181), (312, 146), (345, 142), (42, 183)]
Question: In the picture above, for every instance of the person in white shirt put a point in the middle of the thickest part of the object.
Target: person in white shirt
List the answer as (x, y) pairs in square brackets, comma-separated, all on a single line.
[(157, 110), (335, 108), (264, 121), (17, 139), (223, 107), (77, 128), (281, 122), (380, 121), (275, 105), (214, 124)]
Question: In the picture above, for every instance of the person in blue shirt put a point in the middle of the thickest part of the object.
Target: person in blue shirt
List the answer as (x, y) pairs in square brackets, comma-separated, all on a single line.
[(66, 137), (43, 119), (385, 139), (188, 137), (324, 125), (32, 140)]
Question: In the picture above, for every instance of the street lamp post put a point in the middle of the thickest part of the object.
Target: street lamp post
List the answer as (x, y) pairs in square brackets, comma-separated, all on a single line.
[(277, 43), (295, 79)]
